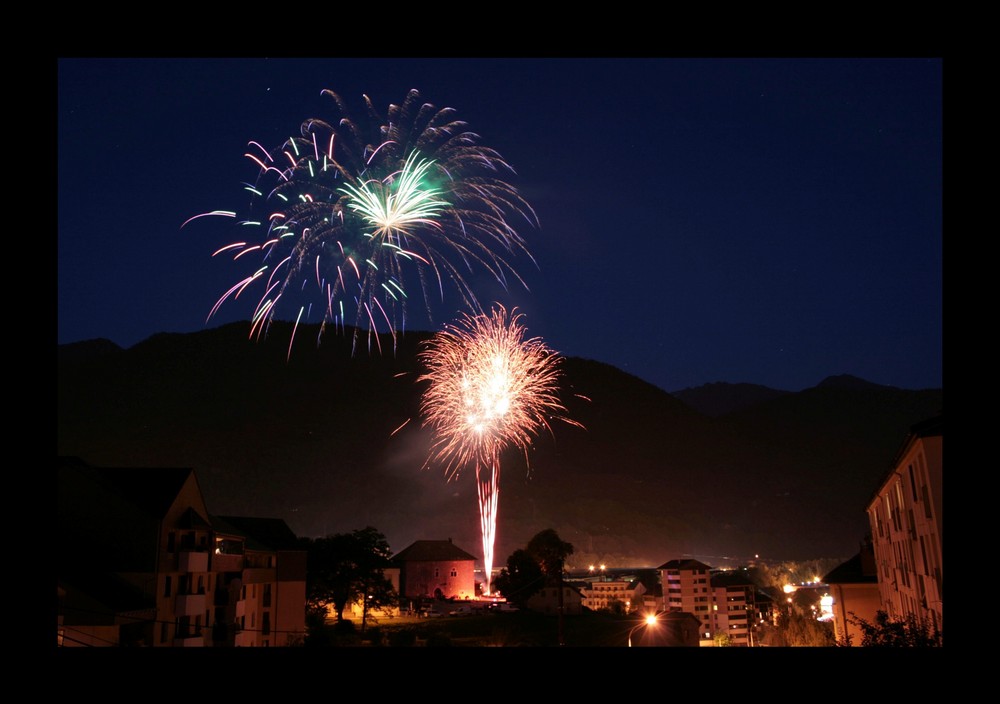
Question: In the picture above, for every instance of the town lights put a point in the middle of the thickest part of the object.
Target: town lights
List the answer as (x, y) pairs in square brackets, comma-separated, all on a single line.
[(650, 620)]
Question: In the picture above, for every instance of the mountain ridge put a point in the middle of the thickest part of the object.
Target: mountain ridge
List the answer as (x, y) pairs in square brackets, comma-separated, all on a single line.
[(329, 438)]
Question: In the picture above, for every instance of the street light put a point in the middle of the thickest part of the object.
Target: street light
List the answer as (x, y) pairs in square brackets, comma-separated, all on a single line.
[(650, 620)]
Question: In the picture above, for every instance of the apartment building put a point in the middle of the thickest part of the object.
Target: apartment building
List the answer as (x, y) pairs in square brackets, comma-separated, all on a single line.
[(734, 607), (687, 587), (268, 591), (602, 594), (140, 562), (722, 601), (905, 514)]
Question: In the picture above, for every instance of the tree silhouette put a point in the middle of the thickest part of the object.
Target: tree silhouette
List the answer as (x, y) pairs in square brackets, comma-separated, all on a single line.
[(520, 579), (885, 633), (348, 568)]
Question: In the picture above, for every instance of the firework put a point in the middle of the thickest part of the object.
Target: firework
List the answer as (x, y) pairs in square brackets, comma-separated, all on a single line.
[(489, 389), (358, 221)]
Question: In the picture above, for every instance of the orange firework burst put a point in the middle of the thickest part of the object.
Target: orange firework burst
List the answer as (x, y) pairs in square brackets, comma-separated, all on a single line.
[(489, 389)]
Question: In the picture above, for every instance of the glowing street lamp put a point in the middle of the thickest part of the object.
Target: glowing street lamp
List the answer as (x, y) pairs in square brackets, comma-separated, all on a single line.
[(650, 620)]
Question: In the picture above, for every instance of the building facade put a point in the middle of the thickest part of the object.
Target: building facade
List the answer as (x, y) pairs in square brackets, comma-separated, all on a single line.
[(905, 515), (267, 589), (854, 593), (734, 607), (547, 600), (435, 569), (687, 587), (607, 594), (724, 602), (142, 563)]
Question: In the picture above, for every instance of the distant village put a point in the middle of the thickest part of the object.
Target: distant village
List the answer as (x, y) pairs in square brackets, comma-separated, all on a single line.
[(143, 562)]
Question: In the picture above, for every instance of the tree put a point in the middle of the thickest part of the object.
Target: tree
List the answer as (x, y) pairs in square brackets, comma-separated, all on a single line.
[(616, 607), (550, 552), (520, 579), (795, 629), (905, 633), (539, 563), (347, 568)]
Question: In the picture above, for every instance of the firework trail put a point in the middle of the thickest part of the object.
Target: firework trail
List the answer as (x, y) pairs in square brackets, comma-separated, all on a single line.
[(489, 389), (356, 221)]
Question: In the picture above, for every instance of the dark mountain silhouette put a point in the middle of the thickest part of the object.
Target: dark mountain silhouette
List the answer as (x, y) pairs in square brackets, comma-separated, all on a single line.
[(846, 381), (329, 438), (721, 398), (79, 351)]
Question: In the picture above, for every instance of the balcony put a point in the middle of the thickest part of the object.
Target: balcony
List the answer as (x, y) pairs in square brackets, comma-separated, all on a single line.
[(259, 575), (222, 562), (190, 604), (189, 639), (244, 639), (192, 561)]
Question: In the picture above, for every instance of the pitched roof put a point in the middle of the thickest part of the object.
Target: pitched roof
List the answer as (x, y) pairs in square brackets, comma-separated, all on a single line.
[(432, 551), (153, 490), (854, 571), (931, 427), (689, 564), (262, 533)]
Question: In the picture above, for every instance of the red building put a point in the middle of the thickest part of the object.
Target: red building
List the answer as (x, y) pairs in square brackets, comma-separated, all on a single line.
[(436, 569)]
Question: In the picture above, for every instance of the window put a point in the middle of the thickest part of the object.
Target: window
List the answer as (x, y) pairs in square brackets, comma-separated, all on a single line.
[(167, 583), (171, 542), (164, 629), (454, 572), (437, 571), (201, 584), (265, 624), (267, 594)]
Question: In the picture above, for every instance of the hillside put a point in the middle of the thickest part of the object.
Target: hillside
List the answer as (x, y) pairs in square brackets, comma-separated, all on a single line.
[(311, 440)]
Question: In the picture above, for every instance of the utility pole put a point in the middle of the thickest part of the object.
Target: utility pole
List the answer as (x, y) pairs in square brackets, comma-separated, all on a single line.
[(562, 637)]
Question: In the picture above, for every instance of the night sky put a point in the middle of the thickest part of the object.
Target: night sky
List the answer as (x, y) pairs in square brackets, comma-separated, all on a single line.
[(768, 221)]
